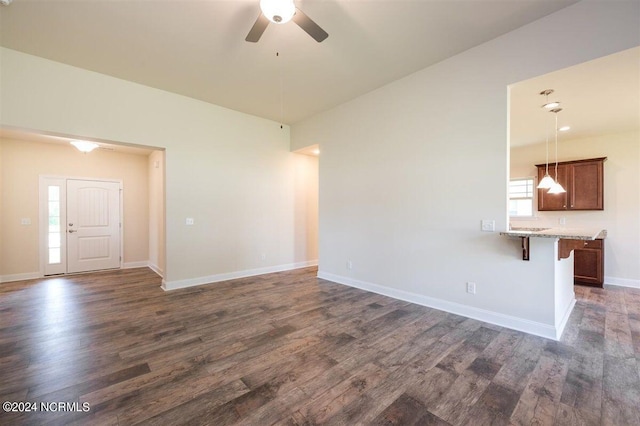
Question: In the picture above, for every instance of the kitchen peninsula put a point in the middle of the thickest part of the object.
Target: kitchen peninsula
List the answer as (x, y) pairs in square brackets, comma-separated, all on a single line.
[(551, 250)]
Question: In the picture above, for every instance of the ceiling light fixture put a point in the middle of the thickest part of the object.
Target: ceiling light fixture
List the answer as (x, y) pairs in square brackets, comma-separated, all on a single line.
[(278, 11), (557, 188), (84, 146), (547, 104), (547, 181)]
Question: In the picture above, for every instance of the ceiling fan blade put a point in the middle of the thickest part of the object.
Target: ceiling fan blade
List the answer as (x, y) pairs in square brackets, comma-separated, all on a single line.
[(258, 28), (309, 26)]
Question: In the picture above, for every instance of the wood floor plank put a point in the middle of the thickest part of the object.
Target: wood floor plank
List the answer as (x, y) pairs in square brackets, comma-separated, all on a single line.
[(291, 349), (621, 383), (540, 399)]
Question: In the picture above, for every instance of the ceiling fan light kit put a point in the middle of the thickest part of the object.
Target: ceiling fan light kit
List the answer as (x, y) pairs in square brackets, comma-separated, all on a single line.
[(280, 12)]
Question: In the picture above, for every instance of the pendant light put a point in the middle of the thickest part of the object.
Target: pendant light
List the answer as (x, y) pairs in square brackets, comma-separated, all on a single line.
[(547, 181), (549, 105), (557, 187)]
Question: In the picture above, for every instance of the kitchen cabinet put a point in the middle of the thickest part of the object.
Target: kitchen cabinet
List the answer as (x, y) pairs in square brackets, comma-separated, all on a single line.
[(583, 180), (588, 263)]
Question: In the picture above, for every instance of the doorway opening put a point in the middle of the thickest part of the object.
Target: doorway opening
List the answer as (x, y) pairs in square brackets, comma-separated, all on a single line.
[(80, 225)]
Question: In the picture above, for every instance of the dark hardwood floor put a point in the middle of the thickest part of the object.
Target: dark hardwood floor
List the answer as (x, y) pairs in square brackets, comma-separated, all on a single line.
[(290, 349)]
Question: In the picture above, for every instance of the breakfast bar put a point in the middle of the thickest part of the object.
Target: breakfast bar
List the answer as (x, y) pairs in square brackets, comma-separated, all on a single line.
[(569, 238), (549, 251)]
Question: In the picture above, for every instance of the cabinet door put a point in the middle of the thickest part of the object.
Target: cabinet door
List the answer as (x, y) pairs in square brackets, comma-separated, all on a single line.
[(548, 201), (588, 263), (586, 192)]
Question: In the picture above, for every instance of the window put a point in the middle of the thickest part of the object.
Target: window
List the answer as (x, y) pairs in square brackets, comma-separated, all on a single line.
[(521, 197), (54, 234)]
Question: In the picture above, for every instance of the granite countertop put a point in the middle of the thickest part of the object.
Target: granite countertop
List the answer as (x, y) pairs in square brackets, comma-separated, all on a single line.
[(565, 233)]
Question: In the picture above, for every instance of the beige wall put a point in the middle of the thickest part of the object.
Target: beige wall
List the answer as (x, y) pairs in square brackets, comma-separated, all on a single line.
[(156, 211), (1, 211), (232, 173), (306, 207), (621, 214), (21, 164)]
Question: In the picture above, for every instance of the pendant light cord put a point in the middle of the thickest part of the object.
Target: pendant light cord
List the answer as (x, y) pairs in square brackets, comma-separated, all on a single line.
[(546, 173), (281, 90), (556, 113)]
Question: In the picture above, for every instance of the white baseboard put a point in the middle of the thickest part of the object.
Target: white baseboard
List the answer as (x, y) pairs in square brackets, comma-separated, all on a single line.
[(622, 282), (565, 318), (140, 264), (508, 321), (144, 264), (174, 285), (19, 277), (155, 268)]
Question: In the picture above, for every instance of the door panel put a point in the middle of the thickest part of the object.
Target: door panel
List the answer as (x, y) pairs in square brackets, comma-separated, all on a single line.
[(93, 225), (586, 186)]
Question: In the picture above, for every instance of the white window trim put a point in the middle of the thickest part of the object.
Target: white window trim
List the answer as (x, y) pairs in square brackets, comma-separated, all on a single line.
[(534, 199)]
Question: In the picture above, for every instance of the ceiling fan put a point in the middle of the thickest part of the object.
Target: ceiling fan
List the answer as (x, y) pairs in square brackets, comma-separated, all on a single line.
[(281, 12)]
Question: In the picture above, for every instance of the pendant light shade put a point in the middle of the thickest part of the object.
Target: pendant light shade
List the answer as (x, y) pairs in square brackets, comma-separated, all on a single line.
[(547, 182), (556, 188), (278, 11)]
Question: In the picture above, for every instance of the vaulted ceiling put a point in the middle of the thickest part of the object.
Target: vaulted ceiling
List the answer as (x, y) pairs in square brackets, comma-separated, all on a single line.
[(196, 47)]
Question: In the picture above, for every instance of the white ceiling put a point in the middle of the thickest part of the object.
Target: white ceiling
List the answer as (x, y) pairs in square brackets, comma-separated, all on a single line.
[(597, 97), (196, 47)]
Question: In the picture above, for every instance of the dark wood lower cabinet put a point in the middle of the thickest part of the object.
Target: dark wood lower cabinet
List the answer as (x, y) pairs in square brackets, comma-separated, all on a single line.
[(589, 264)]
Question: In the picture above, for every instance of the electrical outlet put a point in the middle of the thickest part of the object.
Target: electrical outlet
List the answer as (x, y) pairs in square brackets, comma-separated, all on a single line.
[(471, 287), (562, 221), (25, 221), (263, 256), (488, 225), (349, 264), (189, 221)]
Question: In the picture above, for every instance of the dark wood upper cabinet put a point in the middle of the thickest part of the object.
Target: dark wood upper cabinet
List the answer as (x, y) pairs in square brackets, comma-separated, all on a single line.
[(583, 180)]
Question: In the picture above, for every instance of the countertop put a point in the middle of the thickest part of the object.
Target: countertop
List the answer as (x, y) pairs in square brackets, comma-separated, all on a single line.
[(564, 233)]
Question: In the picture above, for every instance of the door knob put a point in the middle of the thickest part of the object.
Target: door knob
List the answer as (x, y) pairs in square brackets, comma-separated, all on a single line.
[(71, 231)]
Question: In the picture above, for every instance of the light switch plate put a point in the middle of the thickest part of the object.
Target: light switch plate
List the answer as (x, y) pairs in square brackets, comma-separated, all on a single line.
[(489, 225), (190, 221)]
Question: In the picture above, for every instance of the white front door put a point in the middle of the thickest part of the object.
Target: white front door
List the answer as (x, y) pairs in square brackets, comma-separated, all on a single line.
[(80, 225), (93, 225)]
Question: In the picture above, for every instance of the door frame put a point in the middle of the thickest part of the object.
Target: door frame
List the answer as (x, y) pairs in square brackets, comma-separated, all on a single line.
[(43, 217)]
